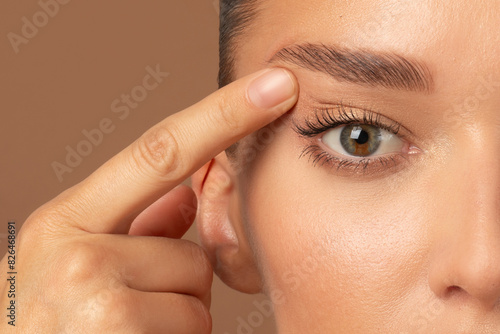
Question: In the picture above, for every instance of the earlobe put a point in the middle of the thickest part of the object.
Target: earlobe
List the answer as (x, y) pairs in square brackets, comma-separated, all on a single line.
[(220, 226)]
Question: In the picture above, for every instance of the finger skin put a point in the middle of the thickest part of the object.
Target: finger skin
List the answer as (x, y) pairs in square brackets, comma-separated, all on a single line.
[(170, 216), (185, 314), (150, 264), (147, 312), (164, 156), (83, 280), (76, 246), (160, 264)]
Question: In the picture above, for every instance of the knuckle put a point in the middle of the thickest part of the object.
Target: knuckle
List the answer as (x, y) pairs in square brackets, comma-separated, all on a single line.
[(51, 212), (158, 150), (45, 222), (108, 312), (115, 311), (225, 113), (53, 216), (81, 262), (44, 213)]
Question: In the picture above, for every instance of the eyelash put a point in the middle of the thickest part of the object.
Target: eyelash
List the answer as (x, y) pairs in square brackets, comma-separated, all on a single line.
[(329, 118)]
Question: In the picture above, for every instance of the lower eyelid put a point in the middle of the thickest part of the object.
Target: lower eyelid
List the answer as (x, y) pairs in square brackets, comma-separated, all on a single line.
[(364, 166)]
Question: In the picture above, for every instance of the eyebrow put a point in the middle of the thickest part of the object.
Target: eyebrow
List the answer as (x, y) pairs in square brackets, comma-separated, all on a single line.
[(359, 66)]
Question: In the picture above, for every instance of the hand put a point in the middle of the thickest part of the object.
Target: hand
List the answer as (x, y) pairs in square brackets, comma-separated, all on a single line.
[(105, 255)]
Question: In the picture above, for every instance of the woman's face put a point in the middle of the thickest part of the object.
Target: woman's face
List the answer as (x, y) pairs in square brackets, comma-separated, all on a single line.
[(358, 231)]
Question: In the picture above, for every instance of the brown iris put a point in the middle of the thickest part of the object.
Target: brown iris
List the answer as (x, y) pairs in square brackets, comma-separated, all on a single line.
[(360, 140)]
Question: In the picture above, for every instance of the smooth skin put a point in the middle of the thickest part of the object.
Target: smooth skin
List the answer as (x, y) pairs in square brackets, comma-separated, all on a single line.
[(411, 247), (105, 255)]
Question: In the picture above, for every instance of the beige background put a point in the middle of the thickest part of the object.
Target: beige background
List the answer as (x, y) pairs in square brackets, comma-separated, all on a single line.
[(63, 80)]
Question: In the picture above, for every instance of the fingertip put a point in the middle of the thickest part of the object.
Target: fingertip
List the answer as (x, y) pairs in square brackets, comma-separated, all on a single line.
[(274, 89)]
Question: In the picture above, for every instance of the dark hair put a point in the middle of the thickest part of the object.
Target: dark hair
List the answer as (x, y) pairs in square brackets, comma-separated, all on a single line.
[(235, 17)]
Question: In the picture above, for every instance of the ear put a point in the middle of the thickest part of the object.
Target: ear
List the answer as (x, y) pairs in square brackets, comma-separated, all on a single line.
[(220, 226)]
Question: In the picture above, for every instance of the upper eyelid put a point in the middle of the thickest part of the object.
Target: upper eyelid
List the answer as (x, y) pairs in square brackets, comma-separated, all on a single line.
[(311, 121), (371, 166)]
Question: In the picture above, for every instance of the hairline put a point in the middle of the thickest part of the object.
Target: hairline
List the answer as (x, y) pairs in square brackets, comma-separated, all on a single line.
[(235, 19)]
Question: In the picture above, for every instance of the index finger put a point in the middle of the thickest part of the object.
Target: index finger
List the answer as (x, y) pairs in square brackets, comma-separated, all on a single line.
[(173, 149)]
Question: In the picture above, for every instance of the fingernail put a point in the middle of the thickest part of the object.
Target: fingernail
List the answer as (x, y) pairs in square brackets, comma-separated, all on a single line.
[(271, 89)]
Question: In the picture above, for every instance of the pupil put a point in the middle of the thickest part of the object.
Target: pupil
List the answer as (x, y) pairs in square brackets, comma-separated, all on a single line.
[(362, 137)]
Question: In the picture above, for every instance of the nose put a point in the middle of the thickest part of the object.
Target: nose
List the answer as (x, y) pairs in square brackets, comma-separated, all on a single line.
[(465, 262)]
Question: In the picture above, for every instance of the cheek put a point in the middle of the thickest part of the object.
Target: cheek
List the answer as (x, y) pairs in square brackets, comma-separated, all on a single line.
[(353, 247)]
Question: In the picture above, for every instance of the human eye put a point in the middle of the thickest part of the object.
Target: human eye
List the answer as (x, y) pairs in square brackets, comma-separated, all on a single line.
[(355, 140)]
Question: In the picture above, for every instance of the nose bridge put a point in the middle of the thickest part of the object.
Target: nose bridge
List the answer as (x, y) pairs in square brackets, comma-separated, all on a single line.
[(482, 172), (478, 253), (469, 260)]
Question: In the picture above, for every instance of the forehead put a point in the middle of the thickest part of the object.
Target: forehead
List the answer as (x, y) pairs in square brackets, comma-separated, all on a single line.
[(445, 33)]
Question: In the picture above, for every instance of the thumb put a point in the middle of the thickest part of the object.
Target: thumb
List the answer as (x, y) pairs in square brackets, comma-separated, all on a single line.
[(170, 216)]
